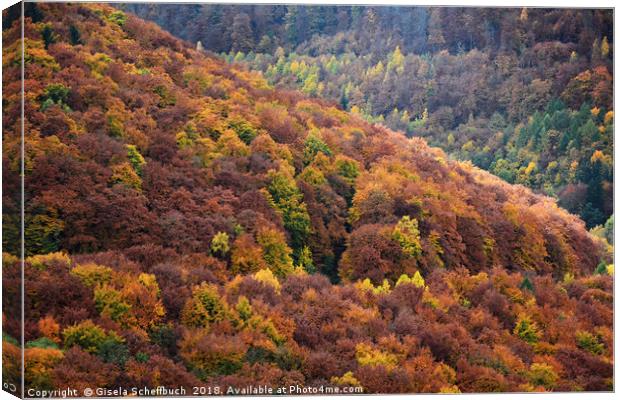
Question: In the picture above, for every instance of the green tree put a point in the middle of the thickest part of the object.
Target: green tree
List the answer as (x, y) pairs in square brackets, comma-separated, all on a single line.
[(219, 243), (275, 251), (407, 234), (542, 374), (74, 35), (109, 302), (55, 93), (305, 260), (92, 275), (88, 336), (113, 351), (49, 36), (244, 130), (42, 343), (313, 146), (526, 329), (288, 199), (347, 168), (118, 17), (243, 308), (204, 307), (601, 268), (589, 342), (417, 280), (135, 159), (42, 233), (526, 284)]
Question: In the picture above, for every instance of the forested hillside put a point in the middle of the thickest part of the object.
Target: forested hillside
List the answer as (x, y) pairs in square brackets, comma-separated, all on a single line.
[(188, 224), (523, 93)]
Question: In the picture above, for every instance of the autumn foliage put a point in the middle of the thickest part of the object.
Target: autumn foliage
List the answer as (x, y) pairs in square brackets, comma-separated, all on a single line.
[(186, 223)]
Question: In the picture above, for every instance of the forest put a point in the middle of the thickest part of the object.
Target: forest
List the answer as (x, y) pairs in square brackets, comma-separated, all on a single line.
[(523, 93), (191, 221)]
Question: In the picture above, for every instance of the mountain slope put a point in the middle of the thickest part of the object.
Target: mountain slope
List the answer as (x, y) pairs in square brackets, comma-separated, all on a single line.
[(523, 93), (186, 217)]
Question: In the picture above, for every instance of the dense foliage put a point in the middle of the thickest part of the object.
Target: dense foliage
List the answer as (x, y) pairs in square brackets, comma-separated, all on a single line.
[(523, 93), (187, 223)]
